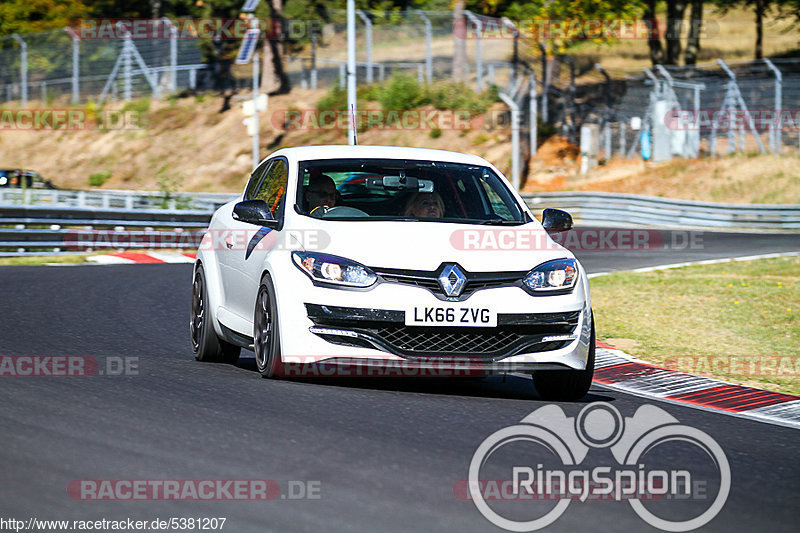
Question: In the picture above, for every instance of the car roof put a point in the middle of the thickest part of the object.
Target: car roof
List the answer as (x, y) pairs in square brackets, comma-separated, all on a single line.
[(311, 153)]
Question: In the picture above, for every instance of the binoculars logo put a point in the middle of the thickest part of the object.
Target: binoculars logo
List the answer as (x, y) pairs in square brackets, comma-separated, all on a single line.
[(568, 440)]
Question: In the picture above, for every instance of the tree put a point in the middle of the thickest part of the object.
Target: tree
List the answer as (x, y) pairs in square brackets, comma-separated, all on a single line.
[(693, 42), (761, 8), (30, 16), (273, 76)]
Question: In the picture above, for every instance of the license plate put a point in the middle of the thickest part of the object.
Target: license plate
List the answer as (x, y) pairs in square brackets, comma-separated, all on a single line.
[(451, 316)]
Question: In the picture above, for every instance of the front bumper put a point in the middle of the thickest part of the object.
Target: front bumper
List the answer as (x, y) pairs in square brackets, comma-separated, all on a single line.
[(366, 329)]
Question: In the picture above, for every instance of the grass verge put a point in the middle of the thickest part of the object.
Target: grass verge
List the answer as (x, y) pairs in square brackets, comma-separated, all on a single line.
[(737, 321), (42, 259)]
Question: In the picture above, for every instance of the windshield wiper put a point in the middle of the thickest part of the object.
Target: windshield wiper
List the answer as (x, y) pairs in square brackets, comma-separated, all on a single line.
[(500, 222)]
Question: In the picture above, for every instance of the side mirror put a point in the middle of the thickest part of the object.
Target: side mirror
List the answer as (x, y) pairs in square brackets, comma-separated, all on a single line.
[(556, 220), (254, 212)]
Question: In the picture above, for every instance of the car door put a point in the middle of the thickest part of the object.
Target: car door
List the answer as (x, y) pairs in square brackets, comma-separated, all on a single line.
[(230, 240), (248, 262)]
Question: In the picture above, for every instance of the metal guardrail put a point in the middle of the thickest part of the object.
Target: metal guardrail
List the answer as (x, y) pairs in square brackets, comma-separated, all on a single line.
[(34, 230), (38, 230), (108, 199), (629, 209)]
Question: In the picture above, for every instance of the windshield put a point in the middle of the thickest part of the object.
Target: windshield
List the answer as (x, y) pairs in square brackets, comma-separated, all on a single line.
[(393, 189)]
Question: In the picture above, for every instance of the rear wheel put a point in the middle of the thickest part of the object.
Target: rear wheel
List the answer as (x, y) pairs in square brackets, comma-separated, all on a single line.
[(205, 343), (566, 385), (266, 341)]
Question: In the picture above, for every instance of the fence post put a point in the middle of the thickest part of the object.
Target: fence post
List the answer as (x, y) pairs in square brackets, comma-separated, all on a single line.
[(23, 58), (313, 61), (775, 126), (126, 69), (532, 118), (514, 138), (368, 27), (622, 140), (478, 58), (607, 115), (173, 55), (428, 49), (545, 83), (76, 64)]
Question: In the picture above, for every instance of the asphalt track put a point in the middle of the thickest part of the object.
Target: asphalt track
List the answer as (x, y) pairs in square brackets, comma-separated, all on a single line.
[(386, 453)]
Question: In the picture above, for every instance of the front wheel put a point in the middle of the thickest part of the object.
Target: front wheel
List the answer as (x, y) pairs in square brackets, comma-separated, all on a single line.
[(566, 385), (266, 341), (205, 343)]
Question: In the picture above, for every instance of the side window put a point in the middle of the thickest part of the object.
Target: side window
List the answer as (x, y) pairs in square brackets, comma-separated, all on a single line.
[(255, 178), (273, 187)]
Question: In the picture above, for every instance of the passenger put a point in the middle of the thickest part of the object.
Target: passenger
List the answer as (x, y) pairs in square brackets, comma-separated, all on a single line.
[(320, 192), (425, 205)]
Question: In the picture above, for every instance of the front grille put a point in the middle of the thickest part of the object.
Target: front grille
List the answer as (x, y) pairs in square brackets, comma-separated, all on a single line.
[(386, 330), (430, 280)]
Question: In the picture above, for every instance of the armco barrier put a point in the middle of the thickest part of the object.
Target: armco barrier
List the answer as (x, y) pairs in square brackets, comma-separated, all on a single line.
[(34, 230), (25, 230), (107, 199), (598, 208)]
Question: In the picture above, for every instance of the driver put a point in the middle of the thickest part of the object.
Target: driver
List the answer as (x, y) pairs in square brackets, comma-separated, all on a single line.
[(320, 192)]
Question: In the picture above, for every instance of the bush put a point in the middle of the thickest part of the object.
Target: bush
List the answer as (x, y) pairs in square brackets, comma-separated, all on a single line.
[(402, 92), (334, 100), (99, 178), (459, 96)]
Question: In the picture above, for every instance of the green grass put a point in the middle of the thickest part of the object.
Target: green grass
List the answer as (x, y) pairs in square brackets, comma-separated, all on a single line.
[(42, 259), (738, 309)]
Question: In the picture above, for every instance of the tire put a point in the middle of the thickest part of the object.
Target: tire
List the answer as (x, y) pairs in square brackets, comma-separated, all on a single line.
[(266, 339), (207, 347), (566, 385)]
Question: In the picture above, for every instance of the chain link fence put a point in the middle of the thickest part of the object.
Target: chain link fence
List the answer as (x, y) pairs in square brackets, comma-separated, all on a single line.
[(656, 113), (45, 66)]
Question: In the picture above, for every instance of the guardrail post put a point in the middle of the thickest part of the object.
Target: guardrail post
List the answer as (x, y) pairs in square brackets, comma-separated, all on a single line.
[(622, 140), (23, 60)]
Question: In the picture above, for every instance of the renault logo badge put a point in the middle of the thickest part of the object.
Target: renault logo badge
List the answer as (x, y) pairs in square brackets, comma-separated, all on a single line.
[(452, 280)]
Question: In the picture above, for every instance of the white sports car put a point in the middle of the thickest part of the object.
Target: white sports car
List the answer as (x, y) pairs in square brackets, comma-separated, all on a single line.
[(354, 257)]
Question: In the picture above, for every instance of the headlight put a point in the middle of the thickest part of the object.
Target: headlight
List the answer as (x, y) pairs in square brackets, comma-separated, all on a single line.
[(333, 269), (557, 275)]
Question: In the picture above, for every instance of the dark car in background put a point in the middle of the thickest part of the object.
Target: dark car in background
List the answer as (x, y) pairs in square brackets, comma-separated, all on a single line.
[(23, 179)]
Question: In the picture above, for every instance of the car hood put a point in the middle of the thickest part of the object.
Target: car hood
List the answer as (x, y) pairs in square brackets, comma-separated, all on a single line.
[(426, 245)]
